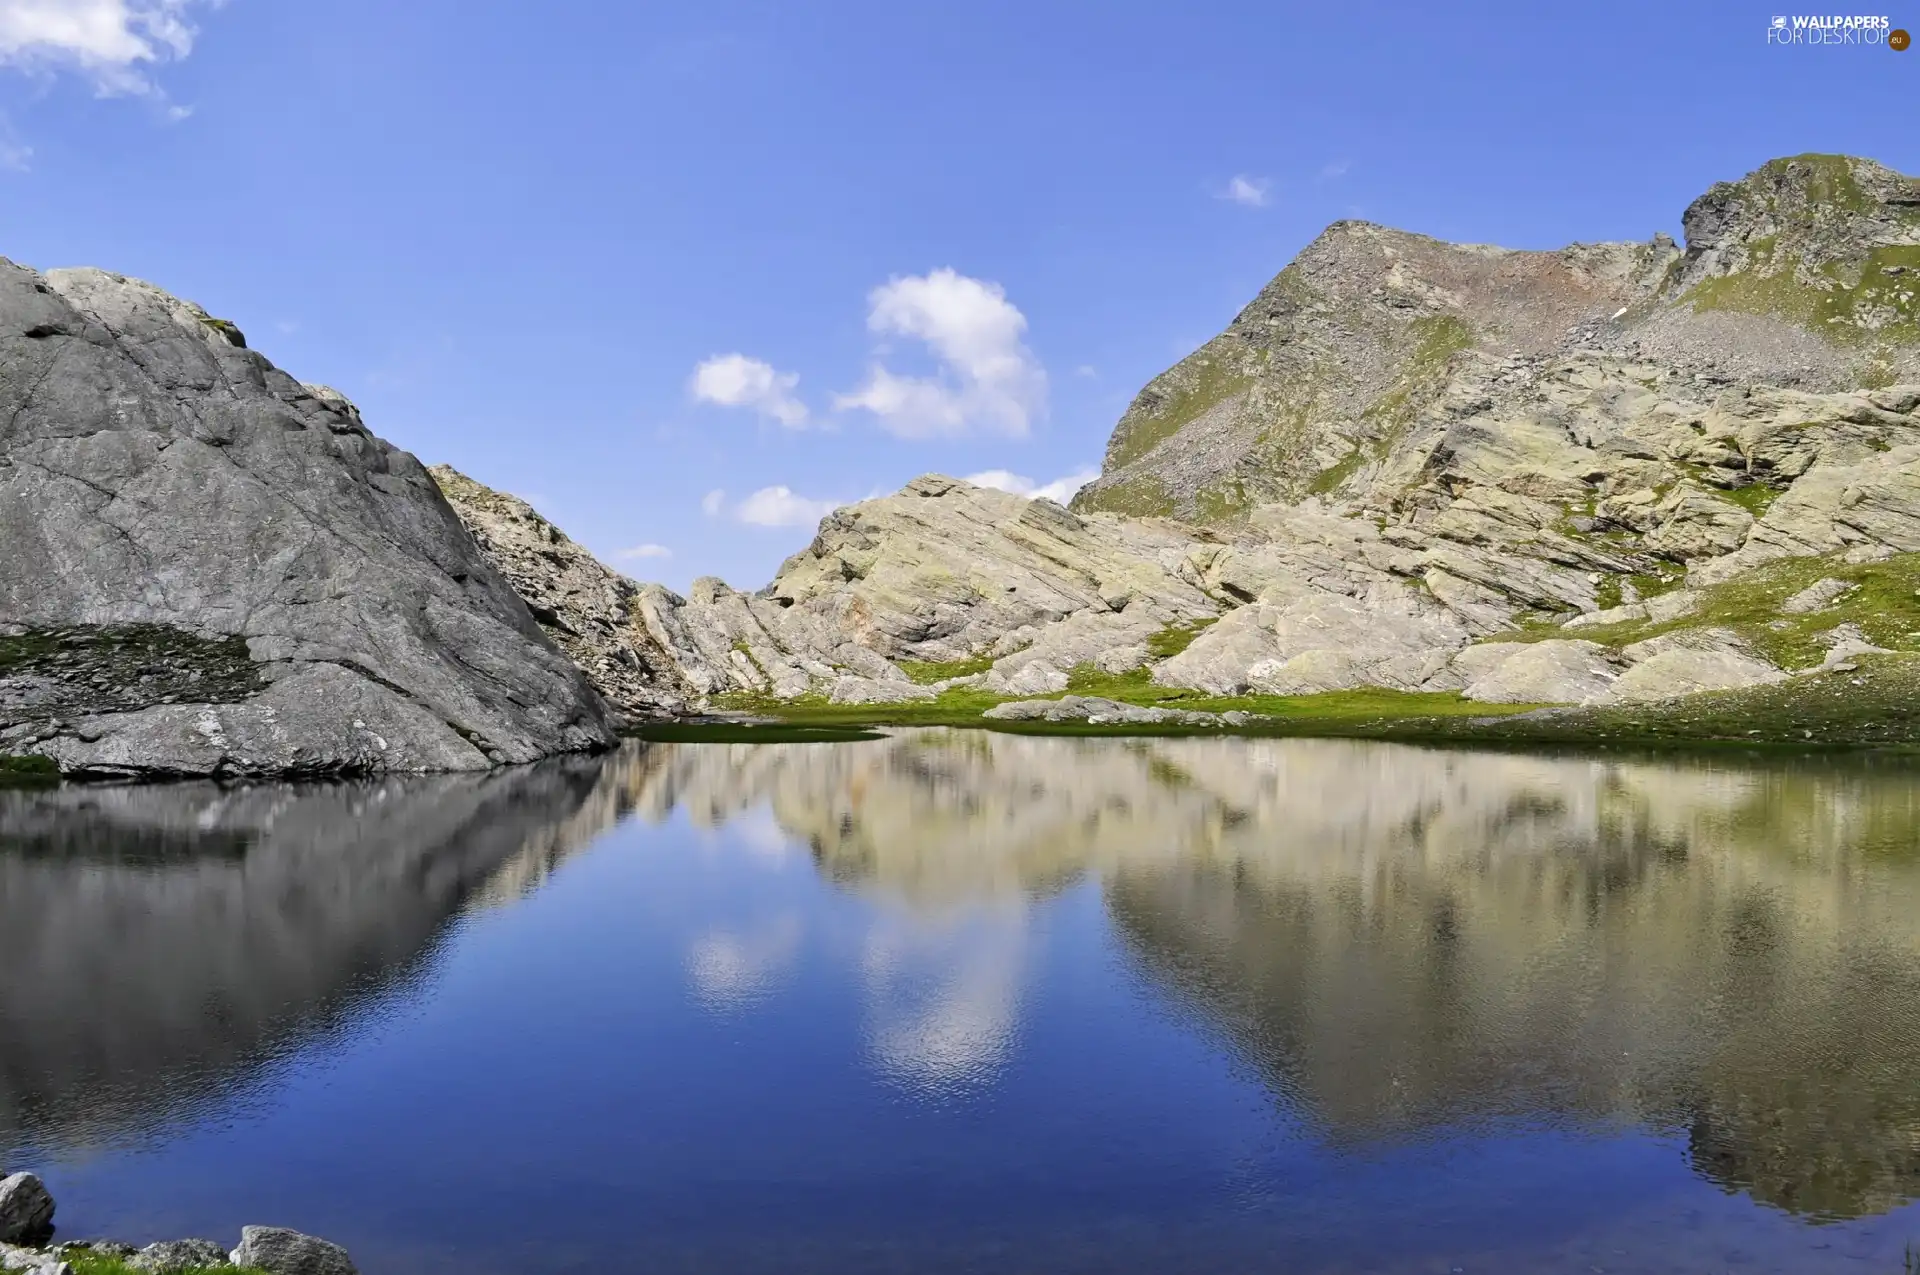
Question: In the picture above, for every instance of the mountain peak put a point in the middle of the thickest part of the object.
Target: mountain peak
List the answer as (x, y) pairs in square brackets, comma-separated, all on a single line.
[(1802, 274)]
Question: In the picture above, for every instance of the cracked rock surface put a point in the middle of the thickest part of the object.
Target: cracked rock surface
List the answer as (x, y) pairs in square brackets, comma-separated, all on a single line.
[(165, 489)]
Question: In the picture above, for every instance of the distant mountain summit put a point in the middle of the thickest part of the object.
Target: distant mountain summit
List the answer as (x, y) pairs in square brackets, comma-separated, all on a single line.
[(1803, 274)]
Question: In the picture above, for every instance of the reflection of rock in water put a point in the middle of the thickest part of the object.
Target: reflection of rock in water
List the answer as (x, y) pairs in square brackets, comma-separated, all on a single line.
[(156, 941), (1401, 939)]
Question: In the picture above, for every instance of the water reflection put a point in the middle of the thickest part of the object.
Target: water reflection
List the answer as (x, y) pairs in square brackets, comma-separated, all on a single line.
[(162, 945), (1405, 941), (1400, 943)]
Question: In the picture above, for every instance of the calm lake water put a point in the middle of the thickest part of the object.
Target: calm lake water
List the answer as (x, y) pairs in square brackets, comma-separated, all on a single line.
[(971, 1002)]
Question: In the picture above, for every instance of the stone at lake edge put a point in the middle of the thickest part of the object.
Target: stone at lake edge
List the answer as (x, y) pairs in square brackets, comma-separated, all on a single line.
[(169, 1256), (280, 1251), (26, 1209)]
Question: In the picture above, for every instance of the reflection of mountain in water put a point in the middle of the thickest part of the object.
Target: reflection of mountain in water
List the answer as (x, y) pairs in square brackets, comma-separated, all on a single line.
[(159, 942), (1402, 939)]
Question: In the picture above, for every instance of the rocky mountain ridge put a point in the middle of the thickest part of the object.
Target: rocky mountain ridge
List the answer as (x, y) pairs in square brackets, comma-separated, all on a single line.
[(1611, 474), (1525, 477)]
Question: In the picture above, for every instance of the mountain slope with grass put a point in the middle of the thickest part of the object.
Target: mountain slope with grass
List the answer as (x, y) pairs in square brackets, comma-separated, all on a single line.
[(1425, 481)]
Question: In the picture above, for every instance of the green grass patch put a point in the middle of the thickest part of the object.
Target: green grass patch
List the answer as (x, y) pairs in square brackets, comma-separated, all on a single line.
[(1885, 604), (927, 672), (1195, 386), (85, 1263), (1333, 475), (1846, 305), (1755, 498), (1876, 705), (749, 733), (1223, 502), (1176, 638), (1141, 496), (27, 770), (1360, 713)]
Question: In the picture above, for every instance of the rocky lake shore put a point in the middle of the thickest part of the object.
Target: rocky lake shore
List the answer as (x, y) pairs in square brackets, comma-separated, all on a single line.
[(1642, 491), (27, 1247)]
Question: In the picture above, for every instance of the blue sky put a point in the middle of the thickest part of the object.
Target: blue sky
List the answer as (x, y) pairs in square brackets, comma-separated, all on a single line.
[(900, 238)]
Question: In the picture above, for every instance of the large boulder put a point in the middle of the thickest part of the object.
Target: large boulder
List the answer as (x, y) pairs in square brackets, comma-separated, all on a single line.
[(279, 1251), (1557, 671), (26, 1209), (161, 480)]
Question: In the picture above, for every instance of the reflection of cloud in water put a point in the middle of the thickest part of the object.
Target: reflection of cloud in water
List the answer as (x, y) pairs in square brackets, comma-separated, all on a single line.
[(732, 971), (943, 1003), (761, 834), (1403, 940)]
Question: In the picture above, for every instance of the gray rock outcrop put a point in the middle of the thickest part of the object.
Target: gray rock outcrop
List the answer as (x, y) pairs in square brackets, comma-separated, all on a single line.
[(1404, 450), (26, 1209), (1097, 711), (161, 483), (279, 1251), (170, 1256), (590, 611)]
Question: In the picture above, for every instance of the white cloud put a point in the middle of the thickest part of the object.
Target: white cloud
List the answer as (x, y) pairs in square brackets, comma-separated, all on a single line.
[(988, 380), (1338, 168), (1060, 490), (113, 43), (734, 380), (1251, 191), (646, 551), (711, 503), (780, 507), (1087, 370)]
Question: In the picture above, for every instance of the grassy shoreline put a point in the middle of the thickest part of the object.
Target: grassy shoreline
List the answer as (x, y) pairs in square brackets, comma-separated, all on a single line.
[(1872, 706)]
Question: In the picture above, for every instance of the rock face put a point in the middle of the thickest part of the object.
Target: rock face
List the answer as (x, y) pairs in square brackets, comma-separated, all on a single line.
[(942, 572), (1802, 274), (317, 605), (279, 1251), (591, 612), (1096, 711), (26, 1210), (169, 1256), (1403, 451)]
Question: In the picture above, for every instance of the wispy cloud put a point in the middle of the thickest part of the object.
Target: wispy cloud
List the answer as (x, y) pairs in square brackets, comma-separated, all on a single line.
[(987, 381), (713, 502), (734, 380), (1337, 169), (114, 44), (1251, 192), (648, 550), (782, 507), (1060, 490)]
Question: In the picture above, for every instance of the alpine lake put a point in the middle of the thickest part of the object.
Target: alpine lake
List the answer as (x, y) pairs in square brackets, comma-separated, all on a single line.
[(959, 1001)]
